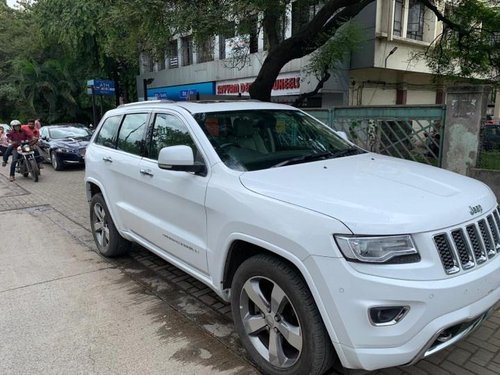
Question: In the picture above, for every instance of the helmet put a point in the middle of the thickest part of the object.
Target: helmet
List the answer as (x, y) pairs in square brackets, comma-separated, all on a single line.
[(15, 123)]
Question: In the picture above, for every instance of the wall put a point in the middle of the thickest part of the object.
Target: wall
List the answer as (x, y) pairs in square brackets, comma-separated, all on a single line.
[(489, 177), (466, 106)]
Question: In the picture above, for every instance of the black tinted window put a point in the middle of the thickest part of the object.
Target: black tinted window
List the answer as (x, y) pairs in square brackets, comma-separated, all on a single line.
[(168, 130), (107, 134), (130, 138)]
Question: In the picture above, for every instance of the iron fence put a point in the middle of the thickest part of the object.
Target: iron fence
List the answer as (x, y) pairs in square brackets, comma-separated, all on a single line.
[(407, 132)]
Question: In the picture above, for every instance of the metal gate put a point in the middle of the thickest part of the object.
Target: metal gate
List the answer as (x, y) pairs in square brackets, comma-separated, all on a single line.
[(408, 132)]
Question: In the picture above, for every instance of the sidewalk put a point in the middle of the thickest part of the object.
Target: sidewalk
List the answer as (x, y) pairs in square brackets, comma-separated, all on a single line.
[(65, 310)]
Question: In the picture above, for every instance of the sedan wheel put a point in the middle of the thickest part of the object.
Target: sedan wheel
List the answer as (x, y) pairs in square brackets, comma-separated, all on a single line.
[(56, 163), (277, 319)]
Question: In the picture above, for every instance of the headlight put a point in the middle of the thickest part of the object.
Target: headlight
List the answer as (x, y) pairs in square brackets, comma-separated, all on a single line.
[(62, 149), (26, 148), (378, 249)]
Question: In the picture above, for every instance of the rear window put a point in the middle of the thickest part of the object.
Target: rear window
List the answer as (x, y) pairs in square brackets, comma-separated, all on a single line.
[(107, 133)]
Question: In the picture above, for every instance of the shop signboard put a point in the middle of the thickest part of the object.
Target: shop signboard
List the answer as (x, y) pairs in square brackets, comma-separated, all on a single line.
[(285, 84)]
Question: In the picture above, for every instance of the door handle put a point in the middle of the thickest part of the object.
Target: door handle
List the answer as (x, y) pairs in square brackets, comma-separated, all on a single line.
[(108, 159), (147, 172)]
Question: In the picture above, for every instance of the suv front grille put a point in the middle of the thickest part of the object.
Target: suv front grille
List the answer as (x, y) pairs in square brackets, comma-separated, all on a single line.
[(464, 248)]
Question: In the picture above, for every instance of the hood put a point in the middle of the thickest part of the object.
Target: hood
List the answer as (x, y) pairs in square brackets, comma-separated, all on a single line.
[(71, 143), (375, 194)]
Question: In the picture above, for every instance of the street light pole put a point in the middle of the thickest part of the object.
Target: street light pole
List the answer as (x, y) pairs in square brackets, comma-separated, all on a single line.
[(389, 55), (145, 83)]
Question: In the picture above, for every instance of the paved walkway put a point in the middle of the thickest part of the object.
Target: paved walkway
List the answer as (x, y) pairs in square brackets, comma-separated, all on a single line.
[(64, 193)]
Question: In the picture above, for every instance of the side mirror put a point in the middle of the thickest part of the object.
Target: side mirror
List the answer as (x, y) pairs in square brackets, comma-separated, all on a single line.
[(180, 158)]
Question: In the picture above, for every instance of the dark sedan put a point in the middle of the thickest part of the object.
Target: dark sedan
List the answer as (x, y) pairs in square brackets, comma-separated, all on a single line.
[(64, 144)]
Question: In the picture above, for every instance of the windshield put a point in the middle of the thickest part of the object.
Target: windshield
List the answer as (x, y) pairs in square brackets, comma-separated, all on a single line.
[(69, 132), (258, 139)]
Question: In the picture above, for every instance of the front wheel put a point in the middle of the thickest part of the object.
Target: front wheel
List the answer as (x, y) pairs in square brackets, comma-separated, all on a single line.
[(277, 319), (56, 162), (22, 166), (34, 170), (109, 242)]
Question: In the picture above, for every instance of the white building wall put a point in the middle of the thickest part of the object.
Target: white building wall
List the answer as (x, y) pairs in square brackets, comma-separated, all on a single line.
[(415, 97)]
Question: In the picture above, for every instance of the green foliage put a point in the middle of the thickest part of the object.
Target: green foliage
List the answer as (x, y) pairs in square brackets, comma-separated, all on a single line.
[(489, 160), (334, 52), (470, 43)]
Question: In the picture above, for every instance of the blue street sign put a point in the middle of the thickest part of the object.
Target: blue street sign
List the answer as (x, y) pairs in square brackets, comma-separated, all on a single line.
[(101, 87)]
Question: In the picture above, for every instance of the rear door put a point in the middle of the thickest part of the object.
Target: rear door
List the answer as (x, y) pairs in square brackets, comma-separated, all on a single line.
[(116, 152)]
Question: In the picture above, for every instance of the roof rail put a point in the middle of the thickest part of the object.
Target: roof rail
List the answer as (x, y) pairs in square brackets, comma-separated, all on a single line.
[(144, 102)]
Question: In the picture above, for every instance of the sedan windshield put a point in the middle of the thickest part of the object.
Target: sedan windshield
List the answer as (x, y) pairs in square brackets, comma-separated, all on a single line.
[(259, 139), (69, 132)]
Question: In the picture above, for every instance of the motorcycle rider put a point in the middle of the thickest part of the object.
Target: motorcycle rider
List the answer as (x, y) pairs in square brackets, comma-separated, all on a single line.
[(16, 136), (34, 134)]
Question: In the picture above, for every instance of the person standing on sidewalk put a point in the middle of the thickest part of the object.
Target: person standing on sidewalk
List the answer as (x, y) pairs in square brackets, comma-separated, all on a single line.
[(4, 141), (16, 137)]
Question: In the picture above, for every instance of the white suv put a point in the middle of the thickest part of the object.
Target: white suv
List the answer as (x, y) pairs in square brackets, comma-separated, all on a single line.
[(325, 251)]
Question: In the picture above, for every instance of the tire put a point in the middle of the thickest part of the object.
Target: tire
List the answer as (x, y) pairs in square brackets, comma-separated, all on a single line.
[(35, 172), (108, 241), (309, 350), (55, 161), (23, 167)]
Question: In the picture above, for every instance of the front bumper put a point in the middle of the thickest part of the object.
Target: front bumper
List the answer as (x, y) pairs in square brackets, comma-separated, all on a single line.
[(71, 157), (347, 295)]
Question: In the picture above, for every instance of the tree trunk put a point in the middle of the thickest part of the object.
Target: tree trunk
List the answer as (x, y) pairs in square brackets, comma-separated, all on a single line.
[(309, 38)]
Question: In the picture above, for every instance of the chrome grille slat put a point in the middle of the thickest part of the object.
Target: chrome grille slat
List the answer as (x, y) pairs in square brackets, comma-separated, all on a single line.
[(494, 232), (446, 254), (465, 247), (497, 219), (477, 245), (488, 241)]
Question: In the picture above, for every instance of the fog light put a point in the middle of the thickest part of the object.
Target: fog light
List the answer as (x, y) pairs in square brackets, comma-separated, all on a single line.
[(387, 315)]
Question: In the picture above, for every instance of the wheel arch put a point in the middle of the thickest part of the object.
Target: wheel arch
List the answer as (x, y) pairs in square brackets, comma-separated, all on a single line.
[(92, 188), (242, 249)]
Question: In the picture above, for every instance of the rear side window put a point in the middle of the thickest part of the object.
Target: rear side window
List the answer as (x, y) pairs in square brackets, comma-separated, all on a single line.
[(131, 135), (107, 134)]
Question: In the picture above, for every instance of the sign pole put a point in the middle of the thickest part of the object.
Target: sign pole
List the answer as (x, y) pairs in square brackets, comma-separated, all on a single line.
[(93, 107)]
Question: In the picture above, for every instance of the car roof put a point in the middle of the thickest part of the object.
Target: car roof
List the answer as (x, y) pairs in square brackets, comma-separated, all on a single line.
[(207, 105)]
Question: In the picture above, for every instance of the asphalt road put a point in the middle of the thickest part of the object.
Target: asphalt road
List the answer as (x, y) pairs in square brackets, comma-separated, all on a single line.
[(65, 309)]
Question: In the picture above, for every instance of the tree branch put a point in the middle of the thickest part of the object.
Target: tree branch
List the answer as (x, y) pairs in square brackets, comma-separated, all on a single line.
[(302, 97)]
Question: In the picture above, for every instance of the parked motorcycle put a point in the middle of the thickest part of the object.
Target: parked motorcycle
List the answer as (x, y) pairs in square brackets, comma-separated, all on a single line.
[(26, 162)]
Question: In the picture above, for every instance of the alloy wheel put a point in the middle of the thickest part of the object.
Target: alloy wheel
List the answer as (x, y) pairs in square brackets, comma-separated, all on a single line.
[(270, 321), (101, 228)]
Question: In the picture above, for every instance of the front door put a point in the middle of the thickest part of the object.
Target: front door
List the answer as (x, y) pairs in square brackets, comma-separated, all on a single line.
[(173, 203)]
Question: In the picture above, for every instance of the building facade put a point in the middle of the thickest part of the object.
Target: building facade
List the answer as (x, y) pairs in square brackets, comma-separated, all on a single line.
[(387, 69)]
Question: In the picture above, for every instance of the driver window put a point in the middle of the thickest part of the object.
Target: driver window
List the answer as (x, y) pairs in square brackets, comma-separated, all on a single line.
[(169, 130)]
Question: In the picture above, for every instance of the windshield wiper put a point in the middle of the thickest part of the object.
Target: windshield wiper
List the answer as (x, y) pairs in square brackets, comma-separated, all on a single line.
[(304, 158), (319, 156), (346, 152)]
